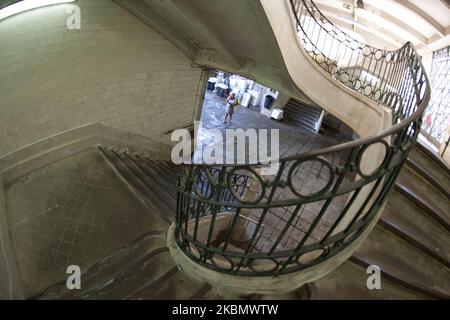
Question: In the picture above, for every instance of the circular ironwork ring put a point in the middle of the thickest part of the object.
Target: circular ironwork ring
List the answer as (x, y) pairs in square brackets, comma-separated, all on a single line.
[(255, 176), (317, 193), (251, 265), (382, 164)]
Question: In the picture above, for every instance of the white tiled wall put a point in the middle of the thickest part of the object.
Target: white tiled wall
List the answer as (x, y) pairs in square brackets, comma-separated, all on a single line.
[(115, 69)]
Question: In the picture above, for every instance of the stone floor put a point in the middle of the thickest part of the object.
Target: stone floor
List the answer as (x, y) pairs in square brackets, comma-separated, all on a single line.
[(72, 212)]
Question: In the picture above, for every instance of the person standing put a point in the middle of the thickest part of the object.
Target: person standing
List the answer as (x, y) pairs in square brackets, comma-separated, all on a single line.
[(229, 109)]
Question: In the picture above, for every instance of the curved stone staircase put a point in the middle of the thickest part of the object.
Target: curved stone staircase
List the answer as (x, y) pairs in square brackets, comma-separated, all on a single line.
[(409, 244)]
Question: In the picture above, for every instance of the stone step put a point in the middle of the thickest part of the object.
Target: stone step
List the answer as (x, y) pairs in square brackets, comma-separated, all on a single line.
[(147, 193), (423, 152), (433, 203), (105, 271), (159, 184), (176, 287), (148, 273), (303, 112), (298, 104), (159, 172), (413, 225), (141, 270), (438, 182), (349, 282), (304, 123), (168, 167), (300, 117), (402, 263), (304, 115)]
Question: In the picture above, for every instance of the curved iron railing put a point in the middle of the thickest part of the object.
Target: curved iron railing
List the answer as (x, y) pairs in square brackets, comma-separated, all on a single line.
[(233, 220)]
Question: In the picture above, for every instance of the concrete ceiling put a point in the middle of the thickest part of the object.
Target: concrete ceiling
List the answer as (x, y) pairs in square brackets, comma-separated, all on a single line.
[(235, 35), (234, 29), (390, 23)]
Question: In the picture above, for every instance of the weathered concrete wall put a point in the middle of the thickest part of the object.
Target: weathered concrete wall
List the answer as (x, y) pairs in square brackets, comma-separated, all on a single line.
[(115, 69)]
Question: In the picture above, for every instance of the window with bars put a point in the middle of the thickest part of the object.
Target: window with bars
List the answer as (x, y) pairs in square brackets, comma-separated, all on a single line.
[(437, 115)]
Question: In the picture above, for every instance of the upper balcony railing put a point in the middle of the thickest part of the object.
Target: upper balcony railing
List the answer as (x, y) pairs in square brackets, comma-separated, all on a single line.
[(233, 220)]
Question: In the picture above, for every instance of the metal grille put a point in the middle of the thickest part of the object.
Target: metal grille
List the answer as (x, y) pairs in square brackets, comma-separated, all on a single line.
[(437, 115)]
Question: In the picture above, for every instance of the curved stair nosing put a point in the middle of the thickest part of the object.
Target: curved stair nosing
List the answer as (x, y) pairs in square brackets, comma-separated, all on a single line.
[(300, 115), (135, 185), (155, 186), (394, 228), (410, 285), (423, 204), (155, 284), (433, 156), (427, 176)]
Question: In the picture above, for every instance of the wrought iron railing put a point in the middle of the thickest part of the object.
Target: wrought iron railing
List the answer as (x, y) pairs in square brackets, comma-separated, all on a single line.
[(232, 219)]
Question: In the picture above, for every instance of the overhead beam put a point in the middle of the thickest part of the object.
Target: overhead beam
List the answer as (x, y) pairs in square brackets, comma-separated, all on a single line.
[(368, 9), (446, 3), (334, 13), (436, 25), (397, 22), (391, 43)]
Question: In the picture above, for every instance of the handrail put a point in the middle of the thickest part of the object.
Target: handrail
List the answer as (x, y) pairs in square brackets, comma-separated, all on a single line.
[(339, 198)]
